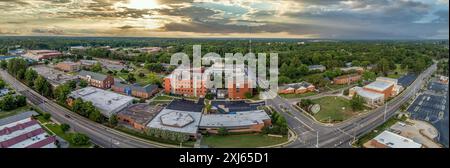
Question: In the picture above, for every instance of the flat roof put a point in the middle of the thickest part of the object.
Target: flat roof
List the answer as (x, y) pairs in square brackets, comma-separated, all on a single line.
[(379, 85), (141, 113), (93, 75), (368, 94), (239, 119), (393, 140), (106, 101), (186, 105), (177, 121), (17, 117)]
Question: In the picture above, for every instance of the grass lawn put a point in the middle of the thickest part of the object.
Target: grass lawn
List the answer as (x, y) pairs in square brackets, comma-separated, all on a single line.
[(55, 128), (4, 114), (241, 141), (334, 108), (163, 98), (397, 73), (294, 96)]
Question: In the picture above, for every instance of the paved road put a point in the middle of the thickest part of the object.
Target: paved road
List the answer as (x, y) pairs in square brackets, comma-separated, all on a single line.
[(313, 134), (99, 134)]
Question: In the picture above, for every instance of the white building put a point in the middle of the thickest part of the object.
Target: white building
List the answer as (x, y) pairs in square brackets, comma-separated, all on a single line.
[(389, 139), (371, 98), (21, 131), (177, 121), (244, 121), (107, 102)]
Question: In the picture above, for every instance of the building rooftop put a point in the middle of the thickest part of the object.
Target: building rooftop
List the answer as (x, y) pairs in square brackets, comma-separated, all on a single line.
[(296, 86), (177, 121), (93, 75), (18, 117), (368, 94), (55, 77), (312, 67), (141, 113), (183, 105), (235, 106), (379, 85), (393, 140), (386, 79), (106, 101), (239, 119)]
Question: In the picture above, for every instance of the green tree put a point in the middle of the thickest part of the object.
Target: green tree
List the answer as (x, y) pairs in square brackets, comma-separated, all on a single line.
[(2, 84), (65, 127), (357, 103), (79, 139), (248, 95), (3, 64), (131, 78), (30, 76), (113, 120), (222, 131), (61, 93), (83, 84), (46, 116), (7, 103), (369, 75), (97, 67), (42, 86)]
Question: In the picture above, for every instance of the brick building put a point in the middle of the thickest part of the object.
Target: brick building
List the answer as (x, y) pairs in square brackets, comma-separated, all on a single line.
[(347, 79), (297, 88), (68, 66), (135, 90), (96, 79)]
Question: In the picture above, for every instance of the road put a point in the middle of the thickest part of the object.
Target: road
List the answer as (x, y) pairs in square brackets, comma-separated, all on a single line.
[(99, 134), (314, 134)]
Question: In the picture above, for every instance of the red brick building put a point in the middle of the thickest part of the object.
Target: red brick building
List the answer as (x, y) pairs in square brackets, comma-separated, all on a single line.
[(97, 80), (347, 79), (67, 66)]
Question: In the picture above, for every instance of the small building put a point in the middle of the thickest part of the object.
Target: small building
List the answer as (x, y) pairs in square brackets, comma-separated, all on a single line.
[(245, 121), (96, 79), (389, 139), (4, 92), (182, 121), (385, 88), (68, 66), (371, 98), (320, 68), (88, 63), (136, 90), (22, 131), (138, 115), (234, 106), (443, 79), (347, 79), (359, 70), (297, 88), (39, 55), (107, 102), (54, 76)]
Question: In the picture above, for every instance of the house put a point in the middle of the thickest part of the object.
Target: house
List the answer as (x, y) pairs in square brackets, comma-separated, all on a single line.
[(96, 79), (38, 55), (107, 102), (297, 88), (22, 131), (389, 139), (320, 68), (68, 66), (135, 90), (346, 79)]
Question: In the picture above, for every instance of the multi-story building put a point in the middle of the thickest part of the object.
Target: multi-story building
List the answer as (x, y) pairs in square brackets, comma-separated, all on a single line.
[(68, 66), (39, 55), (183, 82), (96, 79), (297, 88), (346, 79)]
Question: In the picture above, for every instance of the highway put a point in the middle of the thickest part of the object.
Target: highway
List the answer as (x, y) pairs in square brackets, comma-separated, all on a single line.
[(100, 135), (313, 134)]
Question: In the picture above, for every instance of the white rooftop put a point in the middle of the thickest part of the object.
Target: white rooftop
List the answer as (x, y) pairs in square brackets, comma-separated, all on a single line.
[(177, 121), (368, 94), (379, 85), (386, 79), (393, 140), (239, 119), (106, 101)]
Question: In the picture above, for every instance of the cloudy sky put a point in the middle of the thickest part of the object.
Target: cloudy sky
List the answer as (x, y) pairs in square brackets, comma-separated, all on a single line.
[(360, 19)]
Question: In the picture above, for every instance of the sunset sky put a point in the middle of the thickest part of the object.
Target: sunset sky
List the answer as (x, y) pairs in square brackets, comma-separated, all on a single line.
[(355, 19)]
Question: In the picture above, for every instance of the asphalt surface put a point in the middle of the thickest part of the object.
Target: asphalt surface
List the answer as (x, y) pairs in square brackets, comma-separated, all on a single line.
[(313, 134), (99, 134)]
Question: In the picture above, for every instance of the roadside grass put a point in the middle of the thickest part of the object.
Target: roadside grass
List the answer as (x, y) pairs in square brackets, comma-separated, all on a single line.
[(398, 72), (155, 139), (334, 109), (372, 134), (242, 141), (295, 96), (56, 128), (4, 114)]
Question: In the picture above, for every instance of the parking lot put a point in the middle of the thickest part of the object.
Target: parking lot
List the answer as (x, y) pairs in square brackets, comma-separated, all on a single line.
[(406, 80), (433, 107)]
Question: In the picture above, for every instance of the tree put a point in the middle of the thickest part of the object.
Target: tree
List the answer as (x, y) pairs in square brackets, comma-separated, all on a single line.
[(155, 67), (357, 103), (79, 139), (42, 86), (3, 64), (65, 127), (248, 95), (83, 84), (7, 103), (369, 75), (20, 101), (131, 78), (30, 76), (72, 84), (222, 131), (97, 67), (96, 116), (46, 116), (113, 120), (61, 93), (304, 103), (2, 84)]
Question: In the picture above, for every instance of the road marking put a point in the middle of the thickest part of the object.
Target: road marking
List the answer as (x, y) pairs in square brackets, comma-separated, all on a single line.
[(304, 123)]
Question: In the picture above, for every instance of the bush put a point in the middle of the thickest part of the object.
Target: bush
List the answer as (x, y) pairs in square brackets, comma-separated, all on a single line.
[(222, 131), (79, 139), (65, 127), (46, 116)]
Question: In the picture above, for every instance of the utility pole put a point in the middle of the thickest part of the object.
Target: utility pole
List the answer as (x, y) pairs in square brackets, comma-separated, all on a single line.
[(317, 139)]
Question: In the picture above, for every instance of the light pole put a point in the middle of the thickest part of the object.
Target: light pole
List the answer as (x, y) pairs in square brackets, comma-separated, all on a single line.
[(317, 139)]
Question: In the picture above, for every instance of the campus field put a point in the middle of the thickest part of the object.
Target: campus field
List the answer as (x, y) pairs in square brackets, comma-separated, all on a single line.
[(242, 141), (334, 109)]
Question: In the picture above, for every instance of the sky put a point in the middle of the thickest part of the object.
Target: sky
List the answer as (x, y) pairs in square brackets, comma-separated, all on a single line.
[(327, 19)]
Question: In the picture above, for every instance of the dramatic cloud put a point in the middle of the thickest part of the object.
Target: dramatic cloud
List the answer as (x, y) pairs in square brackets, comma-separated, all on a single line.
[(227, 18)]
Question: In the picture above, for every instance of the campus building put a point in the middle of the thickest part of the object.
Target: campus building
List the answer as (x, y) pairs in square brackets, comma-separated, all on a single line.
[(39, 55), (22, 131), (389, 139), (243, 121), (183, 82), (297, 88), (96, 79), (376, 92), (107, 102), (138, 115), (347, 79), (135, 90), (359, 70), (68, 66), (371, 98)]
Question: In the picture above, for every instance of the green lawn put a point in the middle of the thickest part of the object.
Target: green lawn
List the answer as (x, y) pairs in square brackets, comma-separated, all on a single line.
[(163, 98), (55, 128), (4, 114), (333, 108), (397, 73), (241, 141), (294, 96)]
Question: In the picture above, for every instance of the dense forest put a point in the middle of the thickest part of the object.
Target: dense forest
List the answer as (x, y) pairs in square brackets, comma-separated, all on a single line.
[(294, 54)]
